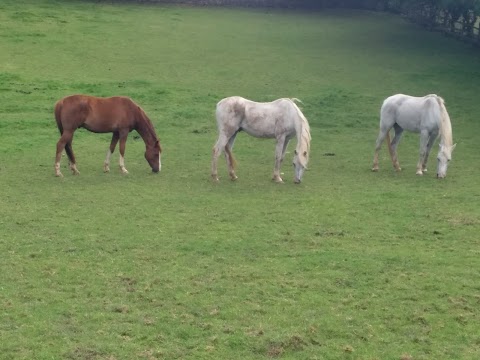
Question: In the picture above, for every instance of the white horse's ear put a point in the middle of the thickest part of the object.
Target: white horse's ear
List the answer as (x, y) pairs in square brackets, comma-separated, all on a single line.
[(453, 146), (295, 152)]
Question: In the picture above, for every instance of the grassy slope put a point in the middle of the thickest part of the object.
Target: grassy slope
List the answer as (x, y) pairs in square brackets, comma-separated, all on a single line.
[(350, 264)]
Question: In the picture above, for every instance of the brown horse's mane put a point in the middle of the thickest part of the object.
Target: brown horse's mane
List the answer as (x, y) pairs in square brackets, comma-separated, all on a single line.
[(145, 124)]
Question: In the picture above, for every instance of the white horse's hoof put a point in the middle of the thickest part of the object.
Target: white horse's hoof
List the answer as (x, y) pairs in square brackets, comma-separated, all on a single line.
[(233, 178), (375, 169), (419, 173)]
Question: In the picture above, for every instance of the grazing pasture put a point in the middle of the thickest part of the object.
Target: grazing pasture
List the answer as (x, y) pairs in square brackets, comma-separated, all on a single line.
[(349, 264)]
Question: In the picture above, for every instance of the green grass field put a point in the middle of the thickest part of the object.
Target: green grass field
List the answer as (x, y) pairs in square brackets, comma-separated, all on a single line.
[(349, 264)]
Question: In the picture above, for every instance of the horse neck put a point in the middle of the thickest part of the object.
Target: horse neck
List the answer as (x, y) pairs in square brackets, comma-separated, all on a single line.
[(145, 128)]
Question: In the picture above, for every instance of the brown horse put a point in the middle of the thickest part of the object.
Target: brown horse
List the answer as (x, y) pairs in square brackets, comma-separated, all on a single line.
[(118, 115)]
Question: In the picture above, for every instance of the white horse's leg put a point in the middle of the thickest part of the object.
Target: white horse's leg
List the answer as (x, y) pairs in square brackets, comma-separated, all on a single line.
[(431, 140), (424, 137), (378, 144), (279, 154), (229, 157), (217, 150), (106, 164), (396, 139)]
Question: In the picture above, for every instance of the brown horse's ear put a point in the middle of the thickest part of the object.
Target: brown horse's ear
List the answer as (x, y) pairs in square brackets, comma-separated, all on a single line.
[(305, 153)]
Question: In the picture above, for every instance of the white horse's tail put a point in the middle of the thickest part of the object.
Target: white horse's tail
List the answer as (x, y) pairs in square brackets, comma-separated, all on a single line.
[(303, 136)]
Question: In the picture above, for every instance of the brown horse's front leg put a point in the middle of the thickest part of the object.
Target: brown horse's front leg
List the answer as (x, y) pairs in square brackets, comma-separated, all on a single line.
[(113, 144), (123, 140)]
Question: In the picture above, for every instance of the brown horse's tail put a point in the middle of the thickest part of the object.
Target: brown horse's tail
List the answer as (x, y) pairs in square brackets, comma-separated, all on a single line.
[(389, 145), (230, 157), (58, 118), (58, 111)]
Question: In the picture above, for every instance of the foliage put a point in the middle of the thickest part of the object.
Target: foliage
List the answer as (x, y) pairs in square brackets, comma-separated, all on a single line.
[(441, 13), (348, 265)]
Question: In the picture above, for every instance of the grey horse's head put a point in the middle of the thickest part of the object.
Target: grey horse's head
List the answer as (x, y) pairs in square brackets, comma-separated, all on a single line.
[(299, 165), (443, 157)]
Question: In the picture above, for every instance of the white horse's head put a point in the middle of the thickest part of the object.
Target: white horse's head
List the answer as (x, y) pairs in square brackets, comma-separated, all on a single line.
[(443, 157), (299, 165)]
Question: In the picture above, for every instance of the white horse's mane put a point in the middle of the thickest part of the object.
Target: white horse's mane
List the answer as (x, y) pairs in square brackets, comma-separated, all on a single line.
[(303, 136), (445, 124)]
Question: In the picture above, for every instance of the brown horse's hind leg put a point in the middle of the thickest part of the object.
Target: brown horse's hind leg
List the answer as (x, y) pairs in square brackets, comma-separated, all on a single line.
[(71, 158), (65, 139)]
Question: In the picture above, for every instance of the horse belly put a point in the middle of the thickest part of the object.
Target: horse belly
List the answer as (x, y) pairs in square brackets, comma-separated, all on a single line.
[(258, 130), (98, 125), (410, 120)]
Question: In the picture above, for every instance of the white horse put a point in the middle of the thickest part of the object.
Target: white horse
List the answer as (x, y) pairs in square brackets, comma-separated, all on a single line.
[(280, 119), (425, 115)]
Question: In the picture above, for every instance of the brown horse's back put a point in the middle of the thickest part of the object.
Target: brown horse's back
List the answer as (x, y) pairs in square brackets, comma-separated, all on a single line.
[(96, 114)]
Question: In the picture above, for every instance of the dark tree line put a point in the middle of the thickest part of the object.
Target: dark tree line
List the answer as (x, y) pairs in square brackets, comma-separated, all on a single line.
[(457, 17)]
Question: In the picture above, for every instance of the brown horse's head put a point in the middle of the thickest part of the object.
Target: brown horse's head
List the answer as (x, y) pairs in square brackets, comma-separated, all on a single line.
[(153, 155)]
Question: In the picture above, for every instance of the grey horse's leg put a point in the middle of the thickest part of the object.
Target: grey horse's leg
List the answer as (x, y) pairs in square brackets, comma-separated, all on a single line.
[(424, 138), (381, 136), (396, 139), (217, 150), (229, 157), (279, 155), (225, 137), (431, 140)]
